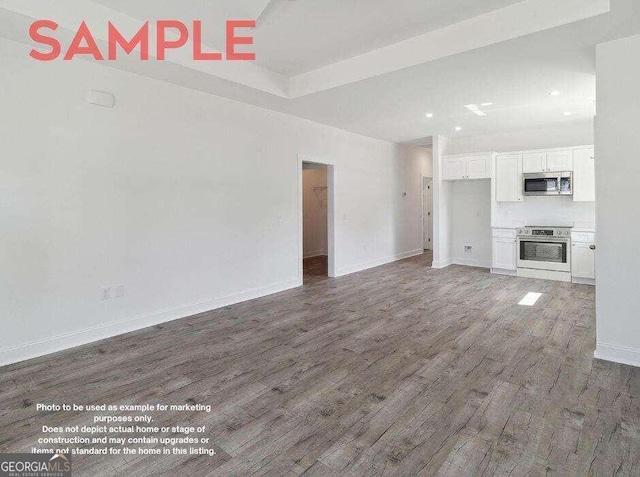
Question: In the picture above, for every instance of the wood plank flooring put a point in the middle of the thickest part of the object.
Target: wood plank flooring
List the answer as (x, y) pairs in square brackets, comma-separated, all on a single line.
[(399, 370), (315, 269)]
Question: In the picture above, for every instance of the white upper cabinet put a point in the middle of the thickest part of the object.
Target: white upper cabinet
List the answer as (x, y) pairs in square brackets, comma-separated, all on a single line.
[(584, 175), (454, 168), (509, 178), (551, 161), (560, 161), (479, 167), (534, 162), (461, 167)]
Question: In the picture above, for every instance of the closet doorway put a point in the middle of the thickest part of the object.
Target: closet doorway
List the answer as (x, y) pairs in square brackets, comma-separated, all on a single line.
[(316, 221)]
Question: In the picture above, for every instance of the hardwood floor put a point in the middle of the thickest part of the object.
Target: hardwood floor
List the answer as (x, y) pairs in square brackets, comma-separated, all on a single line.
[(315, 269), (399, 370)]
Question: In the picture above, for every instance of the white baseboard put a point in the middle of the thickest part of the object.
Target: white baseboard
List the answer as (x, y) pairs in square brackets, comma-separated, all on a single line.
[(618, 354), (376, 263), (544, 275), (471, 262), (54, 344), (442, 263), (583, 281), (501, 271), (315, 253)]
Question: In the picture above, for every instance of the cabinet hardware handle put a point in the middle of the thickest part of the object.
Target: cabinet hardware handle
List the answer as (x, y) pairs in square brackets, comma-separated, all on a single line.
[(592, 247)]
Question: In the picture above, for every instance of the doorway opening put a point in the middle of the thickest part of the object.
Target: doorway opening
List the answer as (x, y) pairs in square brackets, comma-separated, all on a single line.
[(317, 262)]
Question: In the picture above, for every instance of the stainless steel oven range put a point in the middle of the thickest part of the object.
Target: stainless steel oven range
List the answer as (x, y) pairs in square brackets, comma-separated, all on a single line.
[(545, 252)]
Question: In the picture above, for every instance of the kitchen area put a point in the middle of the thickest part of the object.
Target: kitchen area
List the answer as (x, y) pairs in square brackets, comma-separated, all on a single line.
[(538, 208)]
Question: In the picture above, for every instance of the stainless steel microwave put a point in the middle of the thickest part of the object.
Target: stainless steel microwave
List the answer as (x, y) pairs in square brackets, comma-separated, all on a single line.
[(548, 183)]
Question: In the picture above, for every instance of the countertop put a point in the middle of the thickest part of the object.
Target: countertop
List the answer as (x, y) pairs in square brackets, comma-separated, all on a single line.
[(578, 226)]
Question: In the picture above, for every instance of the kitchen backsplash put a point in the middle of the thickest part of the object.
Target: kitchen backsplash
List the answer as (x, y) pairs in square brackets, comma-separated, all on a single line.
[(545, 211)]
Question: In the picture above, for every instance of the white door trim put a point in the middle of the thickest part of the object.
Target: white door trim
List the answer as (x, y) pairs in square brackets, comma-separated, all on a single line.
[(426, 227), (331, 213)]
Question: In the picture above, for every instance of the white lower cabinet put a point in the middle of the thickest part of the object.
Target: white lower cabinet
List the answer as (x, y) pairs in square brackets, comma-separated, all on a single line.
[(583, 257), (504, 253)]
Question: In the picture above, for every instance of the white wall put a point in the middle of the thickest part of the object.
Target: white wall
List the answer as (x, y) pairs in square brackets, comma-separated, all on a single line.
[(617, 174), (442, 215), (187, 199), (315, 212), (471, 222), (423, 156)]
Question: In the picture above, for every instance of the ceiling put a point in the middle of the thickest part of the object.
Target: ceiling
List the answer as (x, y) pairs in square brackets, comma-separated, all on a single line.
[(306, 34), (389, 100), (297, 36), (516, 76)]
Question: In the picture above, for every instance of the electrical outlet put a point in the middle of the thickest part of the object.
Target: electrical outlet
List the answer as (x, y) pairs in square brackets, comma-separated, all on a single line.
[(468, 249), (119, 291), (106, 293)]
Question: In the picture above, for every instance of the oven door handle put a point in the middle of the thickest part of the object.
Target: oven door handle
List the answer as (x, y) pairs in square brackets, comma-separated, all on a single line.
[(548, 240)]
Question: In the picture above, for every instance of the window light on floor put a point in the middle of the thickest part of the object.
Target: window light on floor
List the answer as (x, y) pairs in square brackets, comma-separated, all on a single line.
[(530, 299)]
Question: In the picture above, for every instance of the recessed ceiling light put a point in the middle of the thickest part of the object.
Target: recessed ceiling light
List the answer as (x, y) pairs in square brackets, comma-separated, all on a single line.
[(568, 113), (429, 115), (486, 104), (458, 128), (474, 109), (554, 93)]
